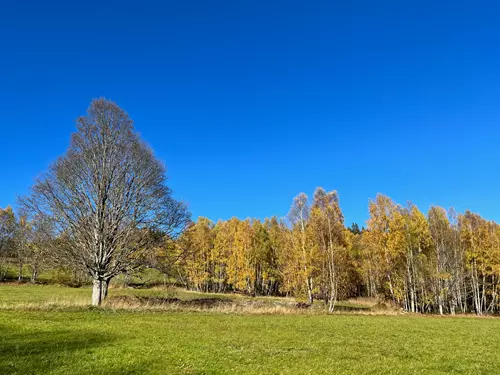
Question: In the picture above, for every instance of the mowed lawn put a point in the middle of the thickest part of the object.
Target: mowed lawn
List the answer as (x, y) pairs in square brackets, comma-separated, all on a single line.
[(106, 341)]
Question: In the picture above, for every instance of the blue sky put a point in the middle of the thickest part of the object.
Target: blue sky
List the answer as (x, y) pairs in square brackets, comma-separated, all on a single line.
[(251, 102)]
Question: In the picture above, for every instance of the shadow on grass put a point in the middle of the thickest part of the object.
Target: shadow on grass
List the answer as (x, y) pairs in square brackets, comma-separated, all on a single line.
[(61, 351), (351, 308), (158, 301)]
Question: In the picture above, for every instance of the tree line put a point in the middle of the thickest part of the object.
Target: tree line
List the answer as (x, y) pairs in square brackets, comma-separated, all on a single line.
[(442, 262), (104, 209), (307, 257)]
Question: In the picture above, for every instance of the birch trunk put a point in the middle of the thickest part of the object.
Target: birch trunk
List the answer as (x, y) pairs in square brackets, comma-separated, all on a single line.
[(310, 298), (97, 296), (20, 273)]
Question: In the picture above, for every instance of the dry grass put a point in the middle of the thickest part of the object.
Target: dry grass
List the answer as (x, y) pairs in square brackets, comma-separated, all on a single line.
[(218, 305), (364, 301), (155, 304), (53, 304), (56, 298), (49, 298)]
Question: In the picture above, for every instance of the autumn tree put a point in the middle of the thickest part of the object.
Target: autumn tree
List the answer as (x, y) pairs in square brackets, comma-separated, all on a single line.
[(264, 259), (397, 250), (330, 240), (448, 261), (417, 260), (302, 247), (480, 242), (381, 254), (105, 195), (280, 239), (223, 247), (198, 243), (269, 256), (240, 272)]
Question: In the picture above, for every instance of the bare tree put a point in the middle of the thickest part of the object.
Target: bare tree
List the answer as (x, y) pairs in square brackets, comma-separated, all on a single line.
[(22, 244), (41, 246), (105, 196)]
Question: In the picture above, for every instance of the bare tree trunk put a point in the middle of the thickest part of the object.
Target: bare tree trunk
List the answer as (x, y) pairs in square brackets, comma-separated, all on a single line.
[(20, 274), (333, 284), (464, 297), (105, 288), (440, 304), (310, 298), (491, 307), (331, 303), (476, 289), (373, 285), (391, 289), (411, 289), (98, 292)]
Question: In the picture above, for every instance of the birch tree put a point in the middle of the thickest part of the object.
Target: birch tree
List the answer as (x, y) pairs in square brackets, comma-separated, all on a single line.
[(198, 243), (381, 241), (327, 222), (447, 262), (301, 243), (104, 195)]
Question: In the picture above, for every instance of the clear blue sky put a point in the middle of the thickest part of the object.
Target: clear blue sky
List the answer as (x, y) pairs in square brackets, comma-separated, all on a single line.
[(251, 102)]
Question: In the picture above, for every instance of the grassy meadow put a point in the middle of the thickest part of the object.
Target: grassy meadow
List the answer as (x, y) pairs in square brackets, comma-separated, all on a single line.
[(52, 330)]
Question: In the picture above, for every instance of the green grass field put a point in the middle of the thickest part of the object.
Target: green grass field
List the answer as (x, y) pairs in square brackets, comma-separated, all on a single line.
[(82, 340)]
